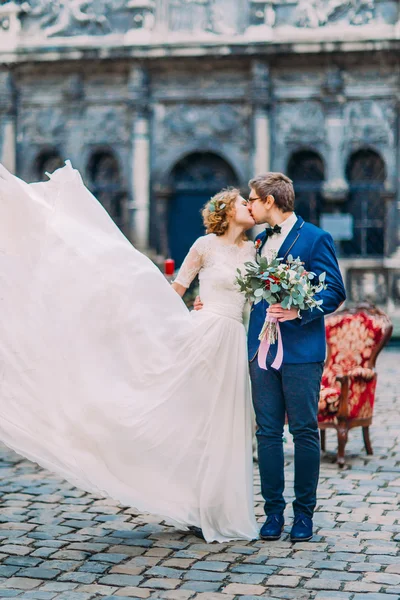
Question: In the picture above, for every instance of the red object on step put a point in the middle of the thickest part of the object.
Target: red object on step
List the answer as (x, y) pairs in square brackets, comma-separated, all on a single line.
[(169, 267)]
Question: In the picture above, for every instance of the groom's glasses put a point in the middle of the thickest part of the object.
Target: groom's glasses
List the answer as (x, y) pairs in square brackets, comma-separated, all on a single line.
[(250, 200)]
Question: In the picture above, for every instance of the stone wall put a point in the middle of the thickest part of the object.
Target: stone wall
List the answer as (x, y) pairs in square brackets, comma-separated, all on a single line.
[(141, 85)]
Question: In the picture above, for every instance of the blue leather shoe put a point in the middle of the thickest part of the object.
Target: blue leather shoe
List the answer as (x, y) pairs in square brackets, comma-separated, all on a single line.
[(302, 529), (197, 532), (273, 527)]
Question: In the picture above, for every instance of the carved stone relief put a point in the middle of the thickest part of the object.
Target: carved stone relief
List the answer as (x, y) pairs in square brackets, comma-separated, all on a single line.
[(89, 17), (143, 14), (205, 82), (370, 122), (68, 17), (262, 13), (54, 18), (9, 12), (184, 123), (213, 16), (106, 124), (318, 13), (41, 125), (300, 122)]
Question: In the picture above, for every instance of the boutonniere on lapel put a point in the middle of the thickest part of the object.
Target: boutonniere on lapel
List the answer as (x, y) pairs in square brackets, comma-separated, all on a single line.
[(257, 244)]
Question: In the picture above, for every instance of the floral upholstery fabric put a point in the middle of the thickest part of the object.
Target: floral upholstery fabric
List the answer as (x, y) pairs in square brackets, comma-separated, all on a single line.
[(351, 339)]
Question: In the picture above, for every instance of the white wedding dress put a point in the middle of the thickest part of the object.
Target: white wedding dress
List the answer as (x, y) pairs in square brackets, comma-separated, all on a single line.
[(106, 378)]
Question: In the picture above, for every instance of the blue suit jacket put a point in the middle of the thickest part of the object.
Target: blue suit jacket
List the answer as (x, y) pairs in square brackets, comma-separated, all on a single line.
[(303, 339)]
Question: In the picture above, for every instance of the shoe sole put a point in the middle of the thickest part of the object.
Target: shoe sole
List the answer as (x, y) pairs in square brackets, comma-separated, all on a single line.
[(306, 539), (271, 538)]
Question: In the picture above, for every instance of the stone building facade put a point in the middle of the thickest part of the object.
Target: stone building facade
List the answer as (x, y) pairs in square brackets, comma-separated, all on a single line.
[(160, 103)]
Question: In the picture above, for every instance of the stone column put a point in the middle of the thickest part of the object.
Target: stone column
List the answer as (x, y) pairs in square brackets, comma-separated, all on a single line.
[(261, 162), (335, 188), (140, 171), (7, 123), (162, 195)]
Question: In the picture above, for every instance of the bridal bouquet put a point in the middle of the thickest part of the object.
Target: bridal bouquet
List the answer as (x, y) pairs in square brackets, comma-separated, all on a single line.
[(287, 283)]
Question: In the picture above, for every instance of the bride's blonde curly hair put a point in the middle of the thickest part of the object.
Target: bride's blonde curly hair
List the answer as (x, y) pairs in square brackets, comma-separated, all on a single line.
[(218, 209)]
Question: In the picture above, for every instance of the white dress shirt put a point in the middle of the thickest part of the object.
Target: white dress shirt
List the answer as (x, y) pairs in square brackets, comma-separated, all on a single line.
[(275, 241)]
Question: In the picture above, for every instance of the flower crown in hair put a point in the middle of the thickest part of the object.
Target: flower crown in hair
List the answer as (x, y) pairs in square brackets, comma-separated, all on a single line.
[(213, 206)]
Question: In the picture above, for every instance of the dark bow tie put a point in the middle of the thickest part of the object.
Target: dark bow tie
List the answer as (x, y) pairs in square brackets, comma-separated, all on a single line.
[(272, 230)]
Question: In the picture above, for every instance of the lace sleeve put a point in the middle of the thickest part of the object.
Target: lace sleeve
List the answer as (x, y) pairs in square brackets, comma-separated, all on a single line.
[(191, 265)]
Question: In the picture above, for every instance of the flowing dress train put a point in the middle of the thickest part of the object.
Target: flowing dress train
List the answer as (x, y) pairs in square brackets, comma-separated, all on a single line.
[(106, 378)]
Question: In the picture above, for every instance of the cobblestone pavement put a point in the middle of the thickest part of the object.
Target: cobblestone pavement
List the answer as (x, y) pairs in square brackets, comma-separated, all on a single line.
[(59, 542)]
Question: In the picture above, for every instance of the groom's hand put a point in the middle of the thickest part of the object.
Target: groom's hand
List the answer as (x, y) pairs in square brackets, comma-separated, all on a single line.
[(197, 304), (283, 314)]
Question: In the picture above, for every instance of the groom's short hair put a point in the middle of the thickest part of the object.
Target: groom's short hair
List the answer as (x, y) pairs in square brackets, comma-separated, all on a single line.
[(277, 185)]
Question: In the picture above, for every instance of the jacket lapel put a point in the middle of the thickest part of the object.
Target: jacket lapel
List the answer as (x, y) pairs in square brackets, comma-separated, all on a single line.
[(291, 239)]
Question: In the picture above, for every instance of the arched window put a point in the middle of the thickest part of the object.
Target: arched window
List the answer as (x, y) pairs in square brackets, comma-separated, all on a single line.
[(47, 161), (194, 180), (306, 169), (366, 174), (105, 182)]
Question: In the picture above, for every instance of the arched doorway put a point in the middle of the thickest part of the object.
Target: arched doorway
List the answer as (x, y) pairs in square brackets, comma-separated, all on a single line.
[(194, 180), (306, 169), (105, 182), (47, 161), (366, 174)]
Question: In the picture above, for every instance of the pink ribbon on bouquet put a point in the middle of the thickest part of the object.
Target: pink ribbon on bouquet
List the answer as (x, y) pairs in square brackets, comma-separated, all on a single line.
[(265, 346)]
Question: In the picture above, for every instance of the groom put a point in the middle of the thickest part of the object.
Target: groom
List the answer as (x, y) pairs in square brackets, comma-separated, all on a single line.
[(293, 390)]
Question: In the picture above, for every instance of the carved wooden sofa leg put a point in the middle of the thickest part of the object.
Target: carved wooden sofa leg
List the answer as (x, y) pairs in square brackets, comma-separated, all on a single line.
[(342, 418), (323, 439), (342, 434), (367, 441)]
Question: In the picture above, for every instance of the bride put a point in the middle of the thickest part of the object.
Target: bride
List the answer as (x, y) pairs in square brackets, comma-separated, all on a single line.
[(105, 376)]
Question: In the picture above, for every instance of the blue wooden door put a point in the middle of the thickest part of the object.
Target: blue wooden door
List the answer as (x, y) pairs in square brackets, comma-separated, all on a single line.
[(195, 180)]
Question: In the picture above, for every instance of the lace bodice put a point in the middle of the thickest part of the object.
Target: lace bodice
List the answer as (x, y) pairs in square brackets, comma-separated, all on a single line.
[(216, 262)]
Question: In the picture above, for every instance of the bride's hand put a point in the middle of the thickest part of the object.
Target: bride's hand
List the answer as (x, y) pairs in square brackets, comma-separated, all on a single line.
[(197, 305)]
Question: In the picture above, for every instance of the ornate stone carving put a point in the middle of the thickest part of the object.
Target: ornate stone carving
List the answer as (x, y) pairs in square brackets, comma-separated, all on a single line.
[(221, 17), (189, 15), (90, 17), (106, 124), (317, 13), (9, 21), (300, 123), (44, 125), (213, 16), (370, 122), (144, 15), (262, 13), (70, 17), (226, 123)]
